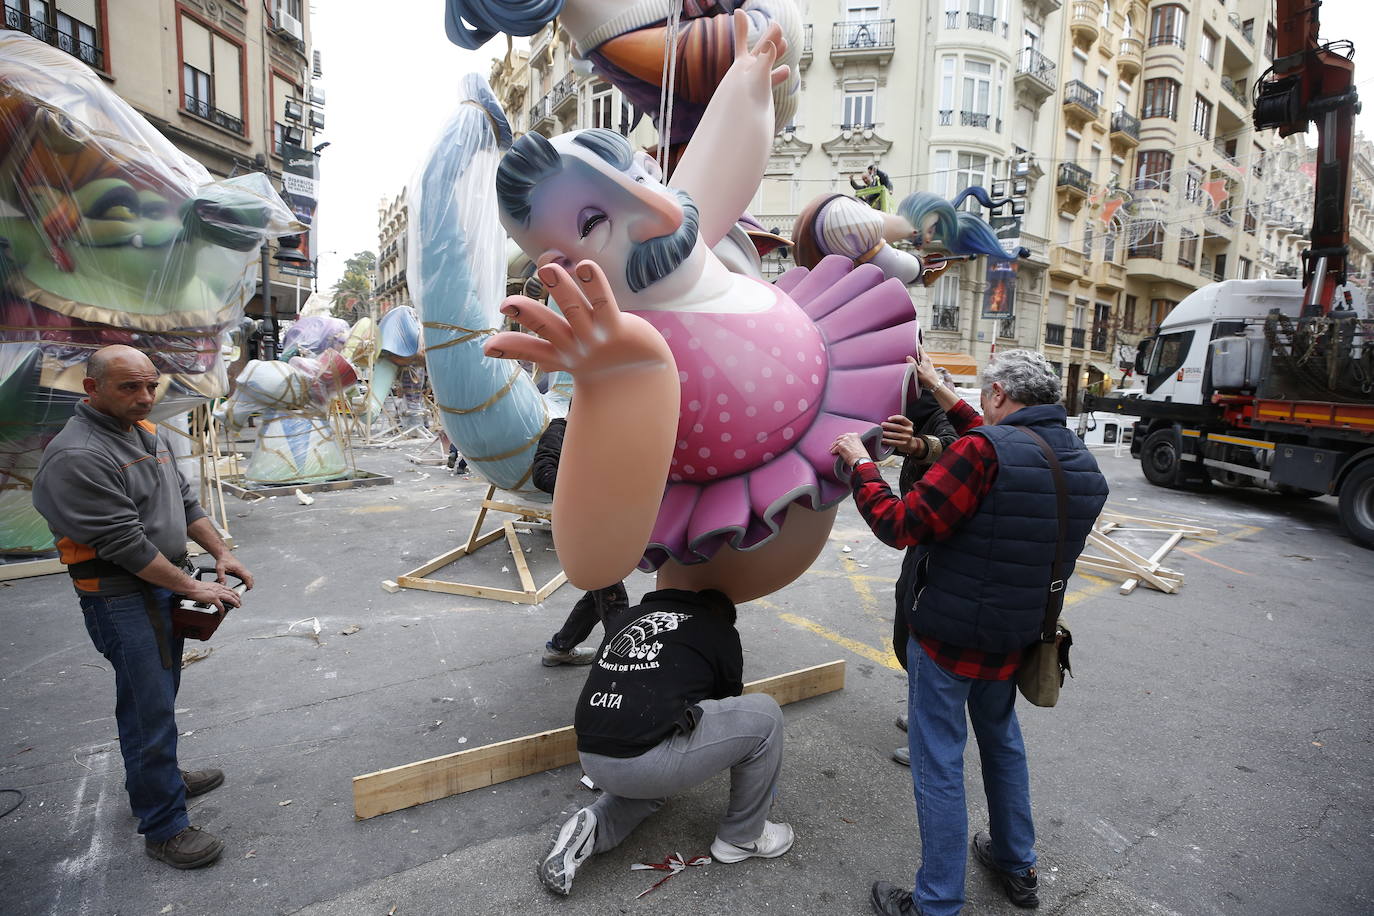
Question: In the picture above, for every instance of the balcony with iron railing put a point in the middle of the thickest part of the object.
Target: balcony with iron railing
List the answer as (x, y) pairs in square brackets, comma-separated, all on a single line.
[(564, 91), (1078, 338), (1081, 101), (66, 38), (808, 42), (1054, 335), (1125, 129), (1099, 338), (1168, 40), (1075, 179), (974, 119), (944, 318), (1234, 91), (980, 22), (873, 39), (203, 109), (1035, 74), (541, 112)]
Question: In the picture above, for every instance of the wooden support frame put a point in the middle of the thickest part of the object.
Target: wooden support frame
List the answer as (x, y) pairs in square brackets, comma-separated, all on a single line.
[(452, 774), (1123, 557), (530, 516)]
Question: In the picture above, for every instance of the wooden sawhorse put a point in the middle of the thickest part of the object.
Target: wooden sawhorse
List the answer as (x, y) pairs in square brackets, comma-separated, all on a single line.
[(532, 517)]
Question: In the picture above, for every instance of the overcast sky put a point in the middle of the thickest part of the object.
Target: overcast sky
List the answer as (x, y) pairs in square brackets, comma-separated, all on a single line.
[(392, 78)]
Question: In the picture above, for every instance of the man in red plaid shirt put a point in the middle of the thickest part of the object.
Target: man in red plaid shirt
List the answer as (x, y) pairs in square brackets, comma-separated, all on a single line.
[(985, 518)]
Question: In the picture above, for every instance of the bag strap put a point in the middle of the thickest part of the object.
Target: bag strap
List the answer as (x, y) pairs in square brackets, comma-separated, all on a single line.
[(1055, 602)]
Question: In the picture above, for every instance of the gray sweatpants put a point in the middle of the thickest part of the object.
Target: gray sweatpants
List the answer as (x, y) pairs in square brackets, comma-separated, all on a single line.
[(742, 734)]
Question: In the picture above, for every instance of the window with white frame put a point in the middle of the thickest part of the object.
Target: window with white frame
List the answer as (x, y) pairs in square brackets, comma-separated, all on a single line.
[(944, 302), (943, 165), (1207, 48), (970, 169), (863, 10), (603, 106), (859, 97), (945, 113), (977, 97)]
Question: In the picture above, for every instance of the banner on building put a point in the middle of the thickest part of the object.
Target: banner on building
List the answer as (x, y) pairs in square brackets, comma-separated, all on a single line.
[(300, 182), (999, 298)]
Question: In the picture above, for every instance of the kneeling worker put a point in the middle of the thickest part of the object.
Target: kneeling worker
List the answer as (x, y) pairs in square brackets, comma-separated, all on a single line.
[(661, 712)]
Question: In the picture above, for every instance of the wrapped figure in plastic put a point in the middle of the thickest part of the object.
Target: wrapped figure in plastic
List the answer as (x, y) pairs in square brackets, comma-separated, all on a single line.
[(727, 389), (108, 234), (295, 438)]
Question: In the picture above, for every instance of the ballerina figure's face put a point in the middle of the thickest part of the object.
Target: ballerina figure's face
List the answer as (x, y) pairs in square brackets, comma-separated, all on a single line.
[(589, 196), (927, 233)]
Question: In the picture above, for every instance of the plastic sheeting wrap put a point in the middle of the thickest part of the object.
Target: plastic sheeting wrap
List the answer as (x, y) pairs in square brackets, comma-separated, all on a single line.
[(313, 334), (492, 409), (295, 442), (108, 234)]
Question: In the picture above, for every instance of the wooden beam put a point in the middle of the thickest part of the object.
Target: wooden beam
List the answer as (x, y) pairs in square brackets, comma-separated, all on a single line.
[(1129, 585), (1194, 530), (25, 568), (439, 777), (1138, 565)]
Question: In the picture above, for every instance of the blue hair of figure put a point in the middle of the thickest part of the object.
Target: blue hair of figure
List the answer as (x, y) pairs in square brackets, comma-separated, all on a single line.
[(472, 23), (959, 231)]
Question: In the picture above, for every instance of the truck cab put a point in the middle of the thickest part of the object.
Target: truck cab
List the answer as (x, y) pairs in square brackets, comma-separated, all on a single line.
[(1241, 389)]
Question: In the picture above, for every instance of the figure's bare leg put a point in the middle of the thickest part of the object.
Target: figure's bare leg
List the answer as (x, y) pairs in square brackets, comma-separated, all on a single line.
[(748, 574)]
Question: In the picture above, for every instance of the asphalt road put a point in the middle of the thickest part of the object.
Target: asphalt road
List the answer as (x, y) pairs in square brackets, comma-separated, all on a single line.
[(1212, 754)]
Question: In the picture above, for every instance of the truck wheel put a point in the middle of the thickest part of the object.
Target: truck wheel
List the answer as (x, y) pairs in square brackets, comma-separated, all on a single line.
[(1160, 458), (1357, 503)]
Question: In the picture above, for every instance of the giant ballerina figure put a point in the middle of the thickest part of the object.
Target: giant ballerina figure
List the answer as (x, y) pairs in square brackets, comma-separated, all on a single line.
[(705, 401)]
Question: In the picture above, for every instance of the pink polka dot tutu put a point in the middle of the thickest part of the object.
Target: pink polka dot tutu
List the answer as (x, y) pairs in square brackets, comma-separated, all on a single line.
[(764, 394)]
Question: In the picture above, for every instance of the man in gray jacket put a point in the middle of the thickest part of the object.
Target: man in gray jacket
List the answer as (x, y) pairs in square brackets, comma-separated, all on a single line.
[(109, 488)]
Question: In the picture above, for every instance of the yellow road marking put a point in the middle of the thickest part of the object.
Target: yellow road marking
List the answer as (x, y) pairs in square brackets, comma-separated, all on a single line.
[(880, 656), (861, 582)]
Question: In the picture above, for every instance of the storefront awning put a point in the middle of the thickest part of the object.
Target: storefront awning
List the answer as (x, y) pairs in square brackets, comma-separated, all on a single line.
[(960, 365), (1104, 368)]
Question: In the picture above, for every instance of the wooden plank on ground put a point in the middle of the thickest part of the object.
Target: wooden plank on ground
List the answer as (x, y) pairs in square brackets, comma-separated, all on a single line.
[(1129, 585), (1195, 530), (439, 777), (1135, 562), (25, 568)]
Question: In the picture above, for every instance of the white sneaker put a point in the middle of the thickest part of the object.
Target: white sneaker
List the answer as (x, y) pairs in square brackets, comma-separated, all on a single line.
[(572, 847), (775, 840)]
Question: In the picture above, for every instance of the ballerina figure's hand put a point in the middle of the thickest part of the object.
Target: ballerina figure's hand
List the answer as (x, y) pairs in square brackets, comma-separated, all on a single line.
[(592, 338)]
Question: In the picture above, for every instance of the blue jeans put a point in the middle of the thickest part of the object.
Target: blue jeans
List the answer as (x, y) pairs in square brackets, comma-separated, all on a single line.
[(937, 734), (145, 704)]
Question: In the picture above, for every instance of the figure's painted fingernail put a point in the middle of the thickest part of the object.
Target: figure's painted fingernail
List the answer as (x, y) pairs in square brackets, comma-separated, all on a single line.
[(496, 353), (584, 273), (548, 276)]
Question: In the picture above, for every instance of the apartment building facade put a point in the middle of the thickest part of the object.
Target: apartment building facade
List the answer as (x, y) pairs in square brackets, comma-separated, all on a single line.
[(229, 82), (393, 228), (1124, 125)]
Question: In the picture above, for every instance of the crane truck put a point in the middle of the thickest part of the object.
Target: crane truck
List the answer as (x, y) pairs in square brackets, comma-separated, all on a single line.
[(1270, 383)]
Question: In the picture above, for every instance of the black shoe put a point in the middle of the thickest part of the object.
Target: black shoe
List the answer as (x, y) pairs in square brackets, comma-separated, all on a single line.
[(192, 848), (198, 782), (890, 900), (1022, 890)]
